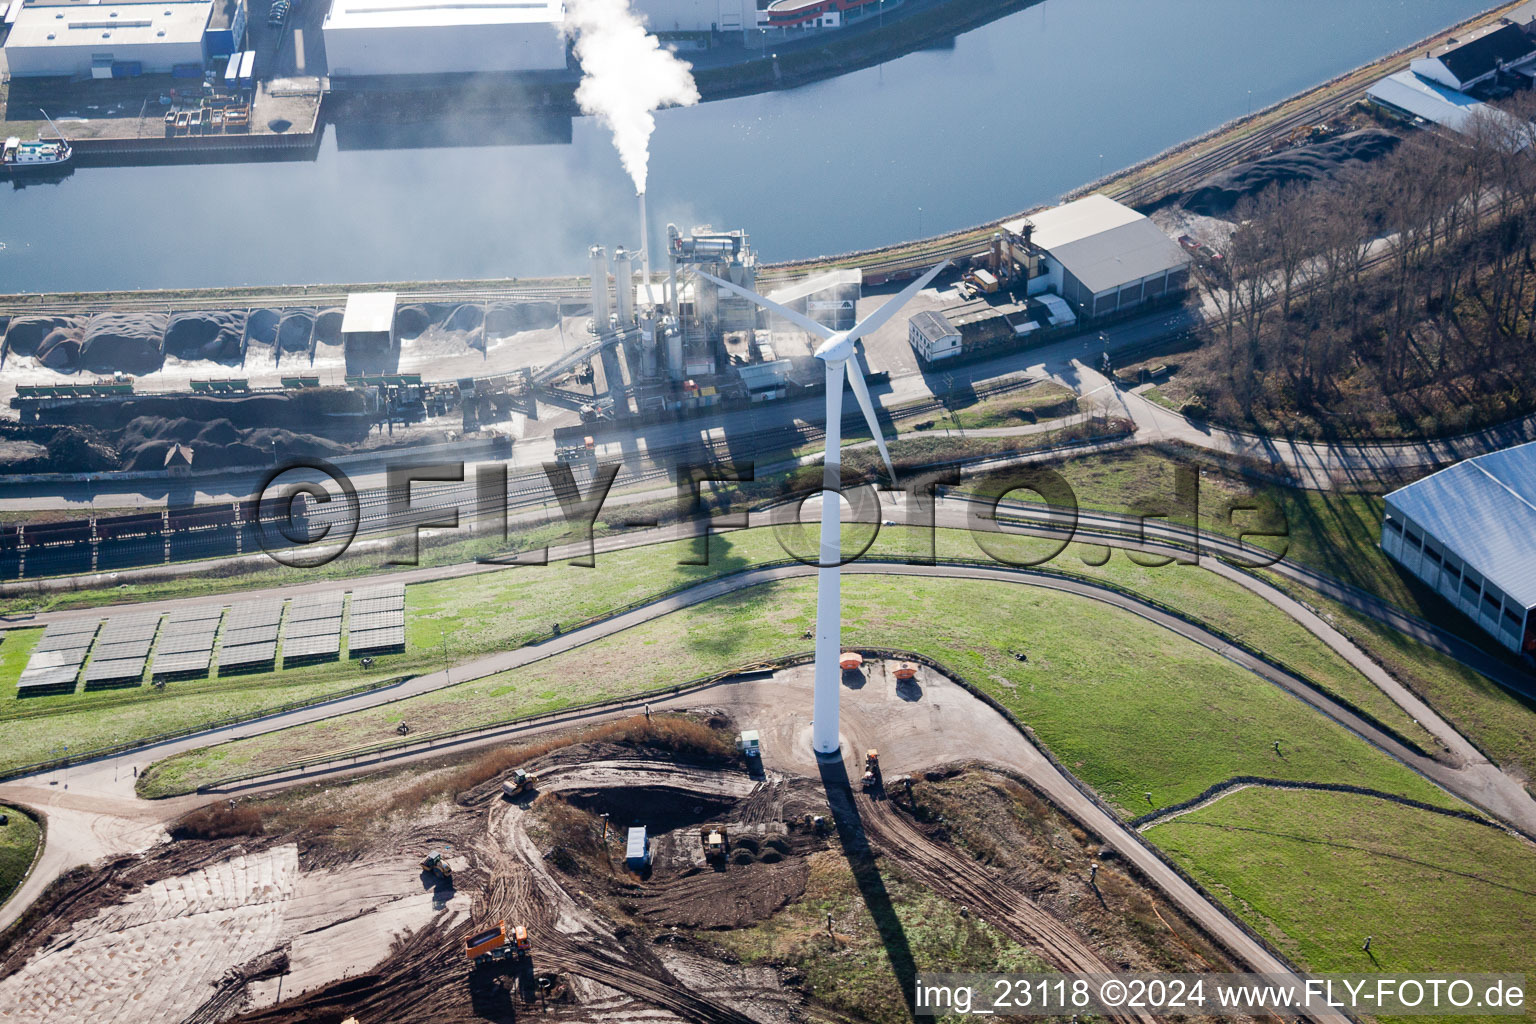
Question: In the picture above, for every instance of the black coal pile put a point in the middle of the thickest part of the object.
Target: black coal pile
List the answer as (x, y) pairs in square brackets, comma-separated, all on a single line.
[(32, 448), (328, 327), (123, 342), (261, 326), (504, 318), (205, 334), (217, 444), (53, 340), (1218, 194), (295, 330)]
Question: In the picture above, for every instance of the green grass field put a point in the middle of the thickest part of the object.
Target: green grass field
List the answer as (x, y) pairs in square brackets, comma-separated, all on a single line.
[(1125, 704), (1315, 873), (18, 845), (491, 612)]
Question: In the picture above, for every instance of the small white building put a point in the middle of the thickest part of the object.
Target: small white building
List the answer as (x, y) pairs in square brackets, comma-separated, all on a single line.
[(1466, 532), (368, 325), (89, 39), (932, 336), (365, 38), (1103, 257)]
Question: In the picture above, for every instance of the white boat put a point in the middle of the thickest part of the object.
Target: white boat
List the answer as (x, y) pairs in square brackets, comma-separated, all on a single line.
[(37, 154)]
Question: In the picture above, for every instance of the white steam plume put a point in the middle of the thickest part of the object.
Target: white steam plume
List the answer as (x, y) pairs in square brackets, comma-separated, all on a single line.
[(626, 75)]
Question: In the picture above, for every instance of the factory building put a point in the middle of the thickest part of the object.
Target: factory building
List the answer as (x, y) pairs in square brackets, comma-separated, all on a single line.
[(367, 38), (119, 39), (1478, 59), (1466, 532), (810, 14), (932, 336), (664, 16), (1104, 258), (831, 298), (1411, 97)]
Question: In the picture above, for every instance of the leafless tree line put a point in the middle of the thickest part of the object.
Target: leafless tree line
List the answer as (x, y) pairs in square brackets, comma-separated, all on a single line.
[(1419, 265)]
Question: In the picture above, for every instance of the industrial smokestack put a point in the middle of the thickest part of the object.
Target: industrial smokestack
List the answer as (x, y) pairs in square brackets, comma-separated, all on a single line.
[(645, 251)]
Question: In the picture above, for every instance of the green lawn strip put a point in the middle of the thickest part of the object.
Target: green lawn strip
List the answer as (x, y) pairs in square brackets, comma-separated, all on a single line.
[(15, 649), (1315, 873), (1502, 724), (852, 974), (18, 846), (108, 717), (1127, 705), (1214, 601)]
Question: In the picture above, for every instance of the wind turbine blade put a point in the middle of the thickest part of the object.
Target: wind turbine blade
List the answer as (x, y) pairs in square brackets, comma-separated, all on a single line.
[(861, 392), (799, 319), (879, 317)]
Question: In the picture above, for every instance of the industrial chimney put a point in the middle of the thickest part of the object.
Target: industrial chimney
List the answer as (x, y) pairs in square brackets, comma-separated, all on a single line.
[(600, 307)]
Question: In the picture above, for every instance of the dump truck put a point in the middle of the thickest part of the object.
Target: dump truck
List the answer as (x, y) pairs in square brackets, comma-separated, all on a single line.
[(517, 784), (872, 769), (434, 864), (749, 744), (520, 944), (716, 842), (487, 944)]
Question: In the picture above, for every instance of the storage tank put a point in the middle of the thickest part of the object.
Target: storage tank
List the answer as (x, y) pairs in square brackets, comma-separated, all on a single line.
[(624, 285), (600, 308)]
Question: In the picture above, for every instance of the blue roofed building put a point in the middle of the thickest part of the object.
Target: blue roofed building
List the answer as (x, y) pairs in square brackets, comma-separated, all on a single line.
[(1469, 532)]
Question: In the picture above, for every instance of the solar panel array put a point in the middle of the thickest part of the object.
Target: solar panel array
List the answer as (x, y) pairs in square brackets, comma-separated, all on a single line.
[(186, 644), (313, 629), (54, 663), (250, 637), (377, 623), (122, 648)]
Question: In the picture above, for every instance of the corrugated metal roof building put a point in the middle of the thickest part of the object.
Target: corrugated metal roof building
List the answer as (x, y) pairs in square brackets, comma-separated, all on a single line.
[(1467, 532), (1102, 257)]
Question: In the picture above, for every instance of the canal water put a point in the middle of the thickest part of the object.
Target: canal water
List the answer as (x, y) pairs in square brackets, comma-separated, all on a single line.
[(1008, 116)]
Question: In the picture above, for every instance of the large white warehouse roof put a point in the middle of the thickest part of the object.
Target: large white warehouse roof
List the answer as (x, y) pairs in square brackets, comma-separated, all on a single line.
[(426, 13), (110, 25), (1074, 221), (1483, 511), (1432, 101)]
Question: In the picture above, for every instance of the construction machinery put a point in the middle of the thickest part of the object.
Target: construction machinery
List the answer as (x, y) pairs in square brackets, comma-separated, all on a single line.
[(872, 769), (716, 842), (434, 864), (497, 943), (517, 784), (749, 744)]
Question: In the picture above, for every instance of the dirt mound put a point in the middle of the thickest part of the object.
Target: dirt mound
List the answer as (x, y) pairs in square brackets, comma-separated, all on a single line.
[(123, 342), (295, 330), (205, 334), (215, 445), (1218, 194), (512, 317), (412, 321)]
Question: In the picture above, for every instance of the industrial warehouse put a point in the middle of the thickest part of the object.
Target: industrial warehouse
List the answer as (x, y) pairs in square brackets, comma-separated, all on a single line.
[(1466, 532)]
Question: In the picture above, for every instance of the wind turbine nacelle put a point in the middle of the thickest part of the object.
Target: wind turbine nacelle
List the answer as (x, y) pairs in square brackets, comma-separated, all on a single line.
[(836, 349)]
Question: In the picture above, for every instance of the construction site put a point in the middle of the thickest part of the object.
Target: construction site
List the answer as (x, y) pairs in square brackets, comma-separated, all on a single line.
[(667, 865)]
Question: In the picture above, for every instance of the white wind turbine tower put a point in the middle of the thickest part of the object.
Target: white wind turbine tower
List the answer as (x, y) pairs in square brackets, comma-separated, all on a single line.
[(837, 352)]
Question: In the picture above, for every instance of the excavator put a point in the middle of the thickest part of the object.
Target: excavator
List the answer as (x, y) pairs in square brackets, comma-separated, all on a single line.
[(871, 770)]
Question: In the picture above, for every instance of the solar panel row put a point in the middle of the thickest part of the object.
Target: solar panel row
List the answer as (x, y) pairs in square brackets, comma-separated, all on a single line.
[(311, 648), (197, 613), (53, 671), (316, 606), (119, 672), (368, 641), (236, 636), (312, 627), (249, 614)]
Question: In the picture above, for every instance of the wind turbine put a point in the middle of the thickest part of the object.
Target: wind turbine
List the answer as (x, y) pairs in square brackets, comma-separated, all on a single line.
[(837, 352)]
